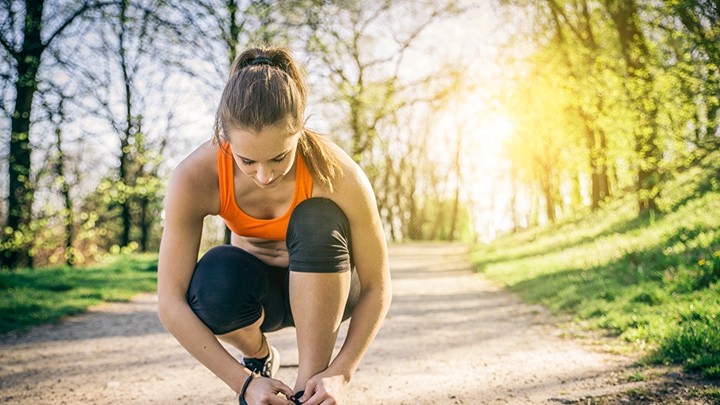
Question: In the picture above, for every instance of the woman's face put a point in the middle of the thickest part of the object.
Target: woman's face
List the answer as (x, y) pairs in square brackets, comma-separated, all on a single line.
[(266, 156)]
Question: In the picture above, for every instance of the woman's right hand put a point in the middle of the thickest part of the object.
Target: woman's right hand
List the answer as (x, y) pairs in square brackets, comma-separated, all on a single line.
[(264, 391)]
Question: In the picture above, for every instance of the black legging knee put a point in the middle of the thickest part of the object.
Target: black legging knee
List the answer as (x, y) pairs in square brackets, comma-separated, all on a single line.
[(230, 287)]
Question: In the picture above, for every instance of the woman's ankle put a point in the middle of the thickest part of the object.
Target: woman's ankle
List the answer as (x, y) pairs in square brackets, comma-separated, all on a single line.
[(262, 352)]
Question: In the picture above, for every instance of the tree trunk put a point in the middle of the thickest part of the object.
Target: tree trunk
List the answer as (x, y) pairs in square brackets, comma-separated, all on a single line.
[(576, 198), (453, 219), (549, 195), (598, 166), (458, 176), (144, 224), (234, 30), (534, 214), (20, 199), (414, 227), (514, 199), (65, 191), (440, 217), (124, 168), (635, 53)]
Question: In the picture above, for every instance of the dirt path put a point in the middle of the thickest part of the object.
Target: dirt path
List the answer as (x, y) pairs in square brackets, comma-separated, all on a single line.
[(451, 337)]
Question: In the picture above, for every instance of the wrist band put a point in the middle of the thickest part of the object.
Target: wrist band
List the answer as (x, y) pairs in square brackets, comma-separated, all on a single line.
[(296, 398), (241, 399)]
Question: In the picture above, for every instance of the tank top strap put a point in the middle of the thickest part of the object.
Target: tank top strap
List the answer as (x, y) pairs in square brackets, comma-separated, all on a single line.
[(303, 181), (225, 178)]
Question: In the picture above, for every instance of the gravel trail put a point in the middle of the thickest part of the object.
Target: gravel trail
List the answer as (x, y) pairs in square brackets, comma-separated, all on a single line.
[(451, 337)]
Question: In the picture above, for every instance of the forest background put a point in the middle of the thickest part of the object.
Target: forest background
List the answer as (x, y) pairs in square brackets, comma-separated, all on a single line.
[(472, 120)]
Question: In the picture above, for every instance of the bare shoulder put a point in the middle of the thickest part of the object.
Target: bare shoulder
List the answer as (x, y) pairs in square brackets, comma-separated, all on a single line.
[(353, 180), (352, 191), (195, 180)]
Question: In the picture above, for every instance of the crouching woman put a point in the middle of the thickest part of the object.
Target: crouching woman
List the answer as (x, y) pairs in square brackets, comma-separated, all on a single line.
[(307, 245)]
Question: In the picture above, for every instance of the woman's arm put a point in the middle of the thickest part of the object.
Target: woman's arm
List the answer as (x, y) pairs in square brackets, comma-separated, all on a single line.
[(189, 199), (355, 197), (184, 213)]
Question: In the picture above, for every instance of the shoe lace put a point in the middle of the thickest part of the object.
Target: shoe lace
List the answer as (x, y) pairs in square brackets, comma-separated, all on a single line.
[(261, 366), (256, 365)]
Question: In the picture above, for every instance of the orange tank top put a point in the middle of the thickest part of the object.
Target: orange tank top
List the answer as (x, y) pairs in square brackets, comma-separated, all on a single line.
[(245, 225)]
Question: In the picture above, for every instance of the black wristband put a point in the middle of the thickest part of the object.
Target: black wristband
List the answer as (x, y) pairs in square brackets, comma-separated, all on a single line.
[(296, 397), (241, 398)]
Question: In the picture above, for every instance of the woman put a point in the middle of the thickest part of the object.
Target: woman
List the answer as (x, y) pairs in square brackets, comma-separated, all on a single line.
[(307, 245)]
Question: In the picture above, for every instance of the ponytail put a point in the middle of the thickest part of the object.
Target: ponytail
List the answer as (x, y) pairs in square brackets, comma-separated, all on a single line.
[(322, 163)]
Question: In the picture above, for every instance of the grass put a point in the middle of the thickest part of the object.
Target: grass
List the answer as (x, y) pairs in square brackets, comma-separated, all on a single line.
[(35, 296), (636, 376), (711, 393), (652, 281)]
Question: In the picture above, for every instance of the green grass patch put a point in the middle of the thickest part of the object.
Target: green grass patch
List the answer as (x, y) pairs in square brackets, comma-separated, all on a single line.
[(635, 376), (35, 296), (711, 393), (652, 281)]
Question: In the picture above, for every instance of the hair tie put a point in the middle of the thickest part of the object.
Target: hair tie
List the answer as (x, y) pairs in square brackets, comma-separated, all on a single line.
[(262, 60)]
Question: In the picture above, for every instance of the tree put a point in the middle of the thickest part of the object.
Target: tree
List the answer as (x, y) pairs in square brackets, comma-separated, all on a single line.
[(57, 113), (366, 83), (543, 148), (578, 21), (25, 37), (137, 63), (690, 49), (640, 81)]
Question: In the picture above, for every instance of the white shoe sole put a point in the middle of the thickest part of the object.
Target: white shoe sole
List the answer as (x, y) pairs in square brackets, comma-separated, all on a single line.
[(275, 358)]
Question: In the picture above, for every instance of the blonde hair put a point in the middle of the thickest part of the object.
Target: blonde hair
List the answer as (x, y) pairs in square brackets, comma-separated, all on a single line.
[(266, 88)]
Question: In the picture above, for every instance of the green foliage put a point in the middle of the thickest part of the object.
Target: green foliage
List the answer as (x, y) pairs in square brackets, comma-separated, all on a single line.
[(618, 93), (652, 281), (636, 376), (35, 296), (695, 339), (435, 222), (102, 213)]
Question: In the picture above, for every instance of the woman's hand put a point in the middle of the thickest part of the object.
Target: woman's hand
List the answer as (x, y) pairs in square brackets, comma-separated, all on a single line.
[(264, 391), (325, 389)]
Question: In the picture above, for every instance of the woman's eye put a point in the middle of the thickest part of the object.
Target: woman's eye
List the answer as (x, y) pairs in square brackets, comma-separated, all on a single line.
[(247, 162), (278, 160)]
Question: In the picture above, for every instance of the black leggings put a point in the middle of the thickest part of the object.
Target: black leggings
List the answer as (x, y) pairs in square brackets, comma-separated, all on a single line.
[(230, 287)]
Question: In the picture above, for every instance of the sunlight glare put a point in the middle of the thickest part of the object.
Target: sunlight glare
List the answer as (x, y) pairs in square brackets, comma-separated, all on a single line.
[(496, 127)]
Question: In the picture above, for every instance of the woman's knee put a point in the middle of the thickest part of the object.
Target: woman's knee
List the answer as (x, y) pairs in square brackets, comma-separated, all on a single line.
[(318, 237), (226, 288)]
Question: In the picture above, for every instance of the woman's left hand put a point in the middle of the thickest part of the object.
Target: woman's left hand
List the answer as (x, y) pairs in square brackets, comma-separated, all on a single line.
[(324, 389)]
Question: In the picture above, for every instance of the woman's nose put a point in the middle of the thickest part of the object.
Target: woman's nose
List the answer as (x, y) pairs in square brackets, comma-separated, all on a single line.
[(264, 175)]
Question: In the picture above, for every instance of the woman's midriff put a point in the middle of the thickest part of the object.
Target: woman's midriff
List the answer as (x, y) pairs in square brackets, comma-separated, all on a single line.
[(270, 252)]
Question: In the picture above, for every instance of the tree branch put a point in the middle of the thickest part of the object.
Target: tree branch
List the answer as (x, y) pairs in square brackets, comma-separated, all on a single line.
[(556, 8), (86, 7), (8, 47)]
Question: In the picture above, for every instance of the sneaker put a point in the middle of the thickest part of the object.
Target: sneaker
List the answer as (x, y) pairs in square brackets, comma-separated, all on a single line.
[(266, 367)]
